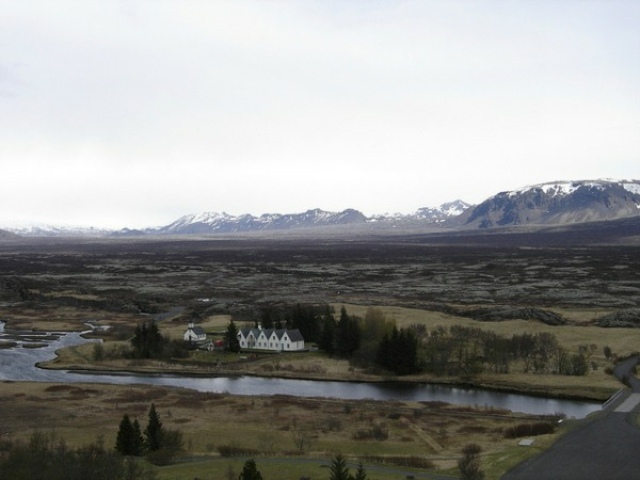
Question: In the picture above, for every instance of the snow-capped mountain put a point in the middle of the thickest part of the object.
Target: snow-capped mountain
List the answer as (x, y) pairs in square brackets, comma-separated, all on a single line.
[(553, 203), (57, 231), (210, 222), (557, 203), (443, 212)]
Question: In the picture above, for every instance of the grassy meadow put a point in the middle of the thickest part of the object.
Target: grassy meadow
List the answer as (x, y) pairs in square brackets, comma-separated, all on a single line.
[(288, 437)]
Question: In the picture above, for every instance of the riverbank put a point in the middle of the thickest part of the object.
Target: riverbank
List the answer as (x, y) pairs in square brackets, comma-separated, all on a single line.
[(597, 386)]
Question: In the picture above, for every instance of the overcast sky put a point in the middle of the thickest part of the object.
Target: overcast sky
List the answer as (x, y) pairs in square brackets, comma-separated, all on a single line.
[(132, 113)]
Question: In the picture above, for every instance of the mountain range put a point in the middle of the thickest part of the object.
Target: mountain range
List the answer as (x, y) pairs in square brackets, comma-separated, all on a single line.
[(549, 204)]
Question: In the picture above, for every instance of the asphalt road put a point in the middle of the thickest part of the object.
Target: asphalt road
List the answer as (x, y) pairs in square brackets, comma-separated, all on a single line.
[(605, 446)]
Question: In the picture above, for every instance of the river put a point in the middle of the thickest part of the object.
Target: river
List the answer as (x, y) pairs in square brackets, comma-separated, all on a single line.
[(18, 364)]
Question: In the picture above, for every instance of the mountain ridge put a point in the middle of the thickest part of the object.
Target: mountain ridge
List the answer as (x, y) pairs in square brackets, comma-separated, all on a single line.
[(546, 204), (557, 203)]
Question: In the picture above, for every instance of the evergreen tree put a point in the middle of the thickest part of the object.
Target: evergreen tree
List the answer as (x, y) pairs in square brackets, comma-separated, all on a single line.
[(154, 432), (399, 353), (124, 438), (147, 341), (407, 353), (129, 439), (348, 334), (231, 342), (267, 317), (339, 469), (250, 471), (327, 337), (384, 357), (361, 473), (137, 441), (306, 318)]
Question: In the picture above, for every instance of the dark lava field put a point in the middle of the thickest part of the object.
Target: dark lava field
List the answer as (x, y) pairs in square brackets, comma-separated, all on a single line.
[(235, 275)]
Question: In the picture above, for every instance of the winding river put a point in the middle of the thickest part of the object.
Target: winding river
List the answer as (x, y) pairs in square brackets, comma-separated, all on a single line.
[(17, 363)]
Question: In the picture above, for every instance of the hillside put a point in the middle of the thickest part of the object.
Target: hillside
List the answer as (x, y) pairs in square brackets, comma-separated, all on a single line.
[(557, 203)]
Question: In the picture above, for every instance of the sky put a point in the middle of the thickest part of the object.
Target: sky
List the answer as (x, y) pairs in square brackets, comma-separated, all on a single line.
[(132, 113)]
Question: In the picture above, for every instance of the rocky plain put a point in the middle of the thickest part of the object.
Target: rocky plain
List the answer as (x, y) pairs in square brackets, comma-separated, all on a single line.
[(477, 276)]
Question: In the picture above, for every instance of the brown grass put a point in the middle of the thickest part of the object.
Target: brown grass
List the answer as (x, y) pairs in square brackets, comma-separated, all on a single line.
[(268, 425)]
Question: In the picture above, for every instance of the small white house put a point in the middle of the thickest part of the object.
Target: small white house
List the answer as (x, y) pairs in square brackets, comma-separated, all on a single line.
[(194, 334), (280, 340)]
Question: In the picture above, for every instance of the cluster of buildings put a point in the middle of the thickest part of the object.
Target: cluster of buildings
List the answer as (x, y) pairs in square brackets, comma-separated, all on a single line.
[(268, 339)]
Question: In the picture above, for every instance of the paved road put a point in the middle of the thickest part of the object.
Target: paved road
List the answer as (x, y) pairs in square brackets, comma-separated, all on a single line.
[(605, 446)]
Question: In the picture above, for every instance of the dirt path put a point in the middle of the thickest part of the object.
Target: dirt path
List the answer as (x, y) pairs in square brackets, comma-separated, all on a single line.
[(422, 435)]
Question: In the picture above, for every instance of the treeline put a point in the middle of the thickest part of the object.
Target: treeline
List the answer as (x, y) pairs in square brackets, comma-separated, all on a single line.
[(46, 457), (369, 341), (148, 342), (453, 351), (463, 351), (317, 324), (307, 318)]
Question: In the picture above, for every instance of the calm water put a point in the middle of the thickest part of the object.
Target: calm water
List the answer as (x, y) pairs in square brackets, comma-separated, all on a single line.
[(18, 364)]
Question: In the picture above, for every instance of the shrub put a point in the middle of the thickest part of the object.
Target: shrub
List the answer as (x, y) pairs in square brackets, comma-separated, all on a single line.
[(236, 451), (98, 351), (334, 423), (529, 430), (413, 461), (376, 432), (469, 464), (172, 446)]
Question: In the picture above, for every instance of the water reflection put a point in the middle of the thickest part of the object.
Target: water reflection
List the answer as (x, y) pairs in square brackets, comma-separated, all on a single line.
[(18, 364)]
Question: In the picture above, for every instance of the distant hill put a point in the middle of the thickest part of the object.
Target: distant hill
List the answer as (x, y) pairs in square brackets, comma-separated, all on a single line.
[(5, 235), (58, 231)]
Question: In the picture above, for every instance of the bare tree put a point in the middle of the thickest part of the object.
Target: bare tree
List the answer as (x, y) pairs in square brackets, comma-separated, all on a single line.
[(267, 443), (302, 440)]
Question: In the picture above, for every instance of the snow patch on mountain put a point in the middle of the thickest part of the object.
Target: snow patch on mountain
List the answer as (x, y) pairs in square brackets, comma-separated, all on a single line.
[(632, 187), (569, 187), (444, 212)]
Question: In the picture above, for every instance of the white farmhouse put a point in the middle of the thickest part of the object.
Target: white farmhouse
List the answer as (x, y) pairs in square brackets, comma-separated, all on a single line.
[(194, 334), (280, 340)]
